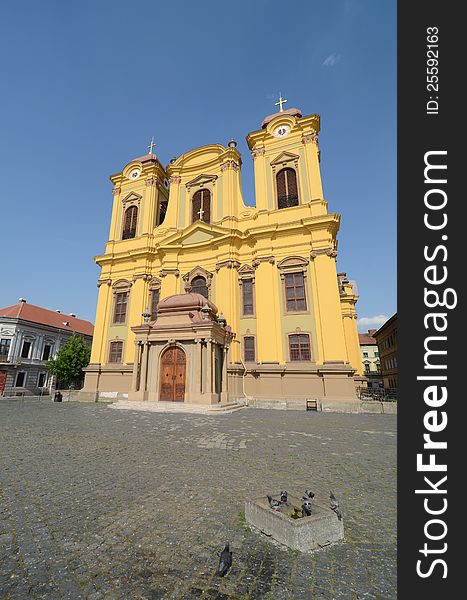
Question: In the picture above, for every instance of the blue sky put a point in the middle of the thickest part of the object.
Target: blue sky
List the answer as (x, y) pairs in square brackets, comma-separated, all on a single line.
[(86, 84)]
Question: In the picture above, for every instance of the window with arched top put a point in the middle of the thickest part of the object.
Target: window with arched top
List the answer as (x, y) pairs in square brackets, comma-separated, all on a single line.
[(201, 206), (129, 222), (287, 189), (199, 286)]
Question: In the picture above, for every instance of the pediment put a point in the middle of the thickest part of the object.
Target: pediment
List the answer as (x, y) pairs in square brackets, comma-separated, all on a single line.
[(246, 270), (198, 232), (131, 197), (284, 158), (201, 180)]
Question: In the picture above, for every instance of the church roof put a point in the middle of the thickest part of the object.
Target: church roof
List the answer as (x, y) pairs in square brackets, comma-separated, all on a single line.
[(44, 316), (183, 302), (366, 339), (293, 112)]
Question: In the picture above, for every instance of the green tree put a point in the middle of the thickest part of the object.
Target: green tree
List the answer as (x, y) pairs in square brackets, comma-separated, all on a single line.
[(67, 365)]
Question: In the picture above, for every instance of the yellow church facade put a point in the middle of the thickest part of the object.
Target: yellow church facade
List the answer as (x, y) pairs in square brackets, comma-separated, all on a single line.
[(269, 269)]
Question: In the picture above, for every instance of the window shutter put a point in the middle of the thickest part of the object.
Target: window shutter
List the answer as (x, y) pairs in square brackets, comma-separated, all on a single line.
[(129, 225), (116, 349), (154, 302), (287, 190), (247, 288), (249, 348), (299, 347), (196, 206), (198, 286), (206, 206)]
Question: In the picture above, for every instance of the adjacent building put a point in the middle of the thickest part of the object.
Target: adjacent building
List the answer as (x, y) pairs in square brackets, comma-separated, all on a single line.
[(266, 272), (29, 336), (386, 338), (370, 358)]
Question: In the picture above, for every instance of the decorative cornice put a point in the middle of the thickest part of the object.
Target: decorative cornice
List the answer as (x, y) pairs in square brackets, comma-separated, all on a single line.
[(310, 138), (201, 271), (152, 181), (328, 251), (258, 152), (116, 191), (174, 179), (261, 259), (164, 272), (230, 264), (102, 281), (144, 276), (229, 164)]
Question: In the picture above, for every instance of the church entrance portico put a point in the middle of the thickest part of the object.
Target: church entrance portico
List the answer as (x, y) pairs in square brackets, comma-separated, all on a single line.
[(172, 375), (182, 355)]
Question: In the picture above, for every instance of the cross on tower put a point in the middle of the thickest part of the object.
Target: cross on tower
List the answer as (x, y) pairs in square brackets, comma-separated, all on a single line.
[(280, 103), (151, 145)]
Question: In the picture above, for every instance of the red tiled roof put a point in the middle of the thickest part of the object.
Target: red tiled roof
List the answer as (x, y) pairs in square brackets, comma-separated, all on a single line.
[(366, 340), (36, 314)]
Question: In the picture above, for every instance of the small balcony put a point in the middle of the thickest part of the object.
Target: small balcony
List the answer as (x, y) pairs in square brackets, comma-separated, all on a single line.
[(4, 358)]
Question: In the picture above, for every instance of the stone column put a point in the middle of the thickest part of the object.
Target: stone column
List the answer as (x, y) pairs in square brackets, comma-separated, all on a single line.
[(224, 381), (136, 367), (144, 368), (209, 368), (198, 372)]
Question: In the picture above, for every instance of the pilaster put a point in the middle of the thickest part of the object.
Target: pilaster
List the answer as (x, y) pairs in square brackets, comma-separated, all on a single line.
[(328, 305)]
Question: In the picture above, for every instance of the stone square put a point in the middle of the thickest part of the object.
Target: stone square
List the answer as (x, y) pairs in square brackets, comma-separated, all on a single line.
[(126, 504)]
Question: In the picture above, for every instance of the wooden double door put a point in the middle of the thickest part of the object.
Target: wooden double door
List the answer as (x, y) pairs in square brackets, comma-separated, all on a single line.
[(173, 375)]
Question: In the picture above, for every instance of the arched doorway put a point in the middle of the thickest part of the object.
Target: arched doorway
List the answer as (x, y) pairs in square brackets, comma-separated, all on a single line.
[(172, 373)]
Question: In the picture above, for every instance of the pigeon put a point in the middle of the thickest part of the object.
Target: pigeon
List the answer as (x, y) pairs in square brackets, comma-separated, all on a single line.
[(308, 495), (335, 506), (225, 560), (275, 504), (284, 497), (306, 508)]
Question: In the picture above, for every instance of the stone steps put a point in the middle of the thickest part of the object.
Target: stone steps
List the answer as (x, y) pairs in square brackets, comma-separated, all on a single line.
[(177, 407)]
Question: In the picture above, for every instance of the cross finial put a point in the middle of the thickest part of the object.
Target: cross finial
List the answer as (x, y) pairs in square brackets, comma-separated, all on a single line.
[(281, 102), (151, 145)]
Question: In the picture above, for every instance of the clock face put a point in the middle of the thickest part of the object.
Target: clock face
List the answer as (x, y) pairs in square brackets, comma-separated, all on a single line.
[(134, 173), (281, 131)]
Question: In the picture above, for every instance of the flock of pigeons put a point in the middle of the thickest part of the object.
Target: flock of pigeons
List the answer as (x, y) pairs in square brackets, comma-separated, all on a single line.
[(306, 504), (225, 557)]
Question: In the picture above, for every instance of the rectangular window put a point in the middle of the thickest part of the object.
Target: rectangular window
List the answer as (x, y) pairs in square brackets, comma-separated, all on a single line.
[(20, 379), (247, 293), (376, 353), (42, 380), (295, 292), (299, 346), (46, 352), (116, 349), (155, 296), (25, 350), (5, 347), (365, 355), (121, 301), (367, 368), (249, 349)]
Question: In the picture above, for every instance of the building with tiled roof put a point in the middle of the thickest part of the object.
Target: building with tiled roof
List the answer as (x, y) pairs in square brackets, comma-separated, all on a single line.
[(29, 336), (386, 338), (370, 358)]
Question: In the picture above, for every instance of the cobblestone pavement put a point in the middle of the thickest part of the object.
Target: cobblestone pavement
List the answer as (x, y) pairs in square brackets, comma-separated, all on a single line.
[(104, 504)]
